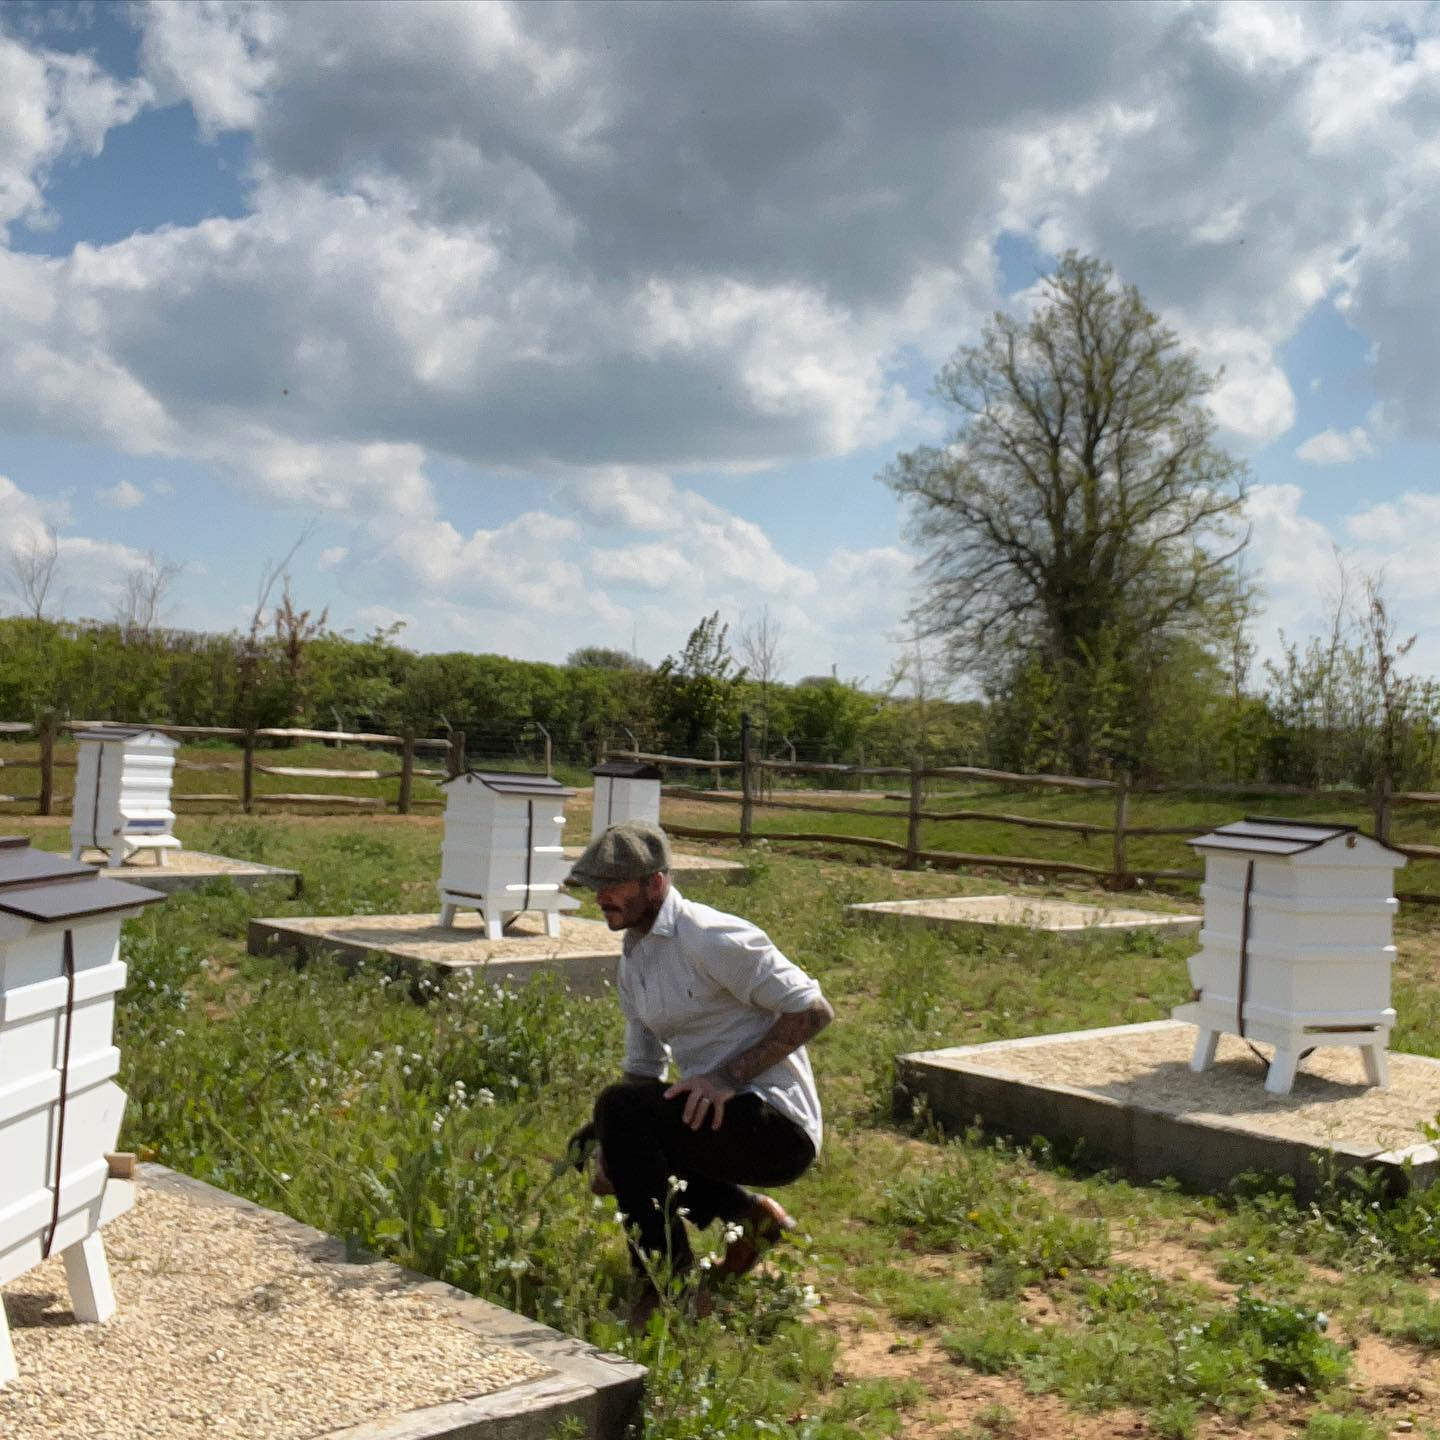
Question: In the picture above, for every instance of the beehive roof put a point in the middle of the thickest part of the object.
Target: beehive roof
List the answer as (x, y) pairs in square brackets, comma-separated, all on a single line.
[(508, 782), (1262, 835), (628, 770), (123, 732), (36, 885)]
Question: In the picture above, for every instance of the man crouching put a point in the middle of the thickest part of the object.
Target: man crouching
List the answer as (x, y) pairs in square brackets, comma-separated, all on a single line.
[(710, 992)]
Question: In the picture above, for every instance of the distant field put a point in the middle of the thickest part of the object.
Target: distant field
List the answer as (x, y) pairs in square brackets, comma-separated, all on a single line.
[(883, 818), (222, 773), (886, 821)]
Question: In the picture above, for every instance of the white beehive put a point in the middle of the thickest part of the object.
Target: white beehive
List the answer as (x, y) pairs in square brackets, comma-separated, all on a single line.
[(1296, 948), (60, 1108), (624, 790), (502, 852), (122, 794)]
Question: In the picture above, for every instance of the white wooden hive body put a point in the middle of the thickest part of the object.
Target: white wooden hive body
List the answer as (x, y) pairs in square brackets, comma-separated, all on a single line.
[(122, 794), (1319, 950), (618, 800), (503, 853), (58, 1061)]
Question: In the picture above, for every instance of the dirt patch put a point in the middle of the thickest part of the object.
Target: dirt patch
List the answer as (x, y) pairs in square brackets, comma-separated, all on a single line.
[(955, 1399), (1389, 1370), (1174, 1262)]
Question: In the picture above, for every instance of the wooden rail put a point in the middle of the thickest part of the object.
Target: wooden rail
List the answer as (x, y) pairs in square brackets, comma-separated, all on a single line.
[(249, 766), (917, 812)]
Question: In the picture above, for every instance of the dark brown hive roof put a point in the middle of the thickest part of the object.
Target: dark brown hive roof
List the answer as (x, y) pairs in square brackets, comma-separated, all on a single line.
[(36, 885)]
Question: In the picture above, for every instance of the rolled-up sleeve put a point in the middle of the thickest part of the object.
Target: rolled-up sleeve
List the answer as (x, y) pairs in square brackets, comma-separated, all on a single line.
[(747, 963)]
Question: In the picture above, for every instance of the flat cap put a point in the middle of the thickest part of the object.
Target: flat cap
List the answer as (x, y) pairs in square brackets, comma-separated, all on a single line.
[(629, 851)]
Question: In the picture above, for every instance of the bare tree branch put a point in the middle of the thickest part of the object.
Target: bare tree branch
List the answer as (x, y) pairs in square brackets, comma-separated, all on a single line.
[(32, 569)]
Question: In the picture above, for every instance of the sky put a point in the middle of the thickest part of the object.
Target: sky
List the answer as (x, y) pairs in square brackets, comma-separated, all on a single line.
[(549, 325)]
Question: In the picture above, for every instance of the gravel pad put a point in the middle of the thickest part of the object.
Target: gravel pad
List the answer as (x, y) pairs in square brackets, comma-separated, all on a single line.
[(177, 862), (227, 1325), (422, 937), (1331, 1101)]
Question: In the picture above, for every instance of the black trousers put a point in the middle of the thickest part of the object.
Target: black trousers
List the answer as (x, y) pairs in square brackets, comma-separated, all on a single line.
[(645, 1142)]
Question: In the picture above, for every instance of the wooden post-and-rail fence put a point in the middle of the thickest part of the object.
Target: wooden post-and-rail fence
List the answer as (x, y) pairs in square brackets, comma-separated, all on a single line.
[(912, 852), (48, 731)]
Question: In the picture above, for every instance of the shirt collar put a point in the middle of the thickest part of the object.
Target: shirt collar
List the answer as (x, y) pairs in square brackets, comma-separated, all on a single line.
[(669, 913), (664, 925)]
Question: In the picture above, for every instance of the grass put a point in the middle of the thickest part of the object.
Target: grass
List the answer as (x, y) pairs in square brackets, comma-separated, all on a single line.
[(964, 1281)]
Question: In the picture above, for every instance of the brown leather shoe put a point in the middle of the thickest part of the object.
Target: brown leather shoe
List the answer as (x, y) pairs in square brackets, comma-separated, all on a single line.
[(600, 1182), (761, 1228), (646, 1303)]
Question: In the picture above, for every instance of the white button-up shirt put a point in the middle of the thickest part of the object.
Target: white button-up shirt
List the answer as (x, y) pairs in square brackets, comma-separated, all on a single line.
[(703, 986)]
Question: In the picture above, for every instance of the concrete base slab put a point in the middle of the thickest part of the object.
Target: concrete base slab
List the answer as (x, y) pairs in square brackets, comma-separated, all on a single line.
[(1127, 1096), (585, 956), (691, 867), (473, 1371), (193, 870), (1062, 918)]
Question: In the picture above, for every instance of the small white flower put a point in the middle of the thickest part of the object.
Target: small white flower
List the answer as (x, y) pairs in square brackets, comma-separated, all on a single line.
[(676, 1184), (284, 1178)]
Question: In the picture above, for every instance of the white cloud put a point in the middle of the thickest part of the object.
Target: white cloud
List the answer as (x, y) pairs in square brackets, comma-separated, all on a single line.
[(214, 53), (52, 105), (90, 573), (552, 244), (1293, 555), (1336, 447), (122, 495)]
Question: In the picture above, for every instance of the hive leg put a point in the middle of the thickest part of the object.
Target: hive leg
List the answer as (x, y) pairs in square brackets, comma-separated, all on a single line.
[(7, 1355), (447, 916), (1281, 1075), (88, 1276), (494, 924), (552, 924), (1204, 1054), (1377, 1068)]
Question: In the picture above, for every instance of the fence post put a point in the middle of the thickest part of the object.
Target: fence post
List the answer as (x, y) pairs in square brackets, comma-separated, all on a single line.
[(917, 804), (247, 772), (1384, 788), (455, 757), (860, 767), (747, 784), (407, 773), (1122, 816), (46, 803)]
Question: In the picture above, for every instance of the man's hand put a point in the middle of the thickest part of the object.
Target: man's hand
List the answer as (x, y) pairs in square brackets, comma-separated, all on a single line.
[(705, 1097)]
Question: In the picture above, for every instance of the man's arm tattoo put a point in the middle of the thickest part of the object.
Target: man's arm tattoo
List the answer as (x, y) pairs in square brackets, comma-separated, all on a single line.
[(786, 1035)]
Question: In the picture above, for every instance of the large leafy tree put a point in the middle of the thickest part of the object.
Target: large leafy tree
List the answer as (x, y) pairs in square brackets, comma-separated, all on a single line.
[(1082, 508)]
